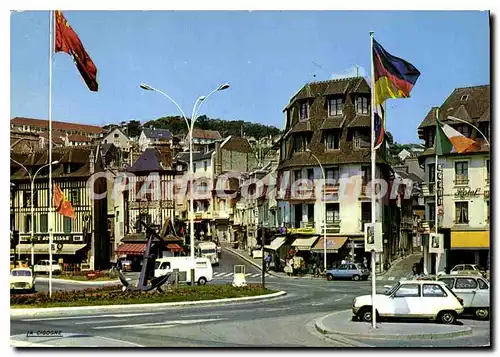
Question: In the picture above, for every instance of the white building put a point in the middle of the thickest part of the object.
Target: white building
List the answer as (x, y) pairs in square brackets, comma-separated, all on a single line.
[(465, 182), (118, 138), (153, 137)]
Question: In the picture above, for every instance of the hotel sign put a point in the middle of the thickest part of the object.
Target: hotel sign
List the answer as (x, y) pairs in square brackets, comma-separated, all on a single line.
[(467, 192), (439, 185)]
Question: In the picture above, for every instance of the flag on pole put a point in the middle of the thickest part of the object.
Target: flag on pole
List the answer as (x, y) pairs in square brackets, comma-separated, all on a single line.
[(449, 140), (394, 77), (379, 121), (61, 204), (66, 40)]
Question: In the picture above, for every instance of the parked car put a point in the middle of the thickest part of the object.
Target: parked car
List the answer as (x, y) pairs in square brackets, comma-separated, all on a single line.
[(354, 271), (473, 289), (22, 279), (467, 269), (412, 299), (43, 267)]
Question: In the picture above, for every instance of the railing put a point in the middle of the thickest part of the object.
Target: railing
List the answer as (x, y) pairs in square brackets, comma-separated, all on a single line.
[(332, 227), (428, 188), (301, 193), (461, 180), (221, 214), (307, 224)]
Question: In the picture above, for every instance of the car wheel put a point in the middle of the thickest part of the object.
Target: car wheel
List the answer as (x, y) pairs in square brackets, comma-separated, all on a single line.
[(329, 277), (482, 313), (202, 281), (365, 314), (355, 277), (447, 317)]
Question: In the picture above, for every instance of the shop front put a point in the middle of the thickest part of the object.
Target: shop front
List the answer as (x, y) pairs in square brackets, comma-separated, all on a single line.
[(469, 247), (336, 250)]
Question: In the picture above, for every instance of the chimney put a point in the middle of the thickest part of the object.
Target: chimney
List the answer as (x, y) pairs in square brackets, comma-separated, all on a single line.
[(218, 159)]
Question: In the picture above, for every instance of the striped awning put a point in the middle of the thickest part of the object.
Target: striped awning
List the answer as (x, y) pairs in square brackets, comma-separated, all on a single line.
[(131, 249), (304, 243), (333, 244), (174, 247), (67, 248)]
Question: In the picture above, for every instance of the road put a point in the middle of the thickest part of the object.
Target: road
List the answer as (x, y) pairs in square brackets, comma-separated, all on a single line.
[(286, 321)]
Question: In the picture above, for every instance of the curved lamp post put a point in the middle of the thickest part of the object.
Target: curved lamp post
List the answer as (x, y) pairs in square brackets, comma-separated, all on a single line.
[(324, 205), (475, 127), (32, 179), (190, 125)]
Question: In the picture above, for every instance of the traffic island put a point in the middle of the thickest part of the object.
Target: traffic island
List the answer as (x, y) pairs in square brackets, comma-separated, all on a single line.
[(341, 324), (112, 298)]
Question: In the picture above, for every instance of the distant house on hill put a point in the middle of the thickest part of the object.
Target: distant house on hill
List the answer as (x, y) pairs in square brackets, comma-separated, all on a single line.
[(153, 137)]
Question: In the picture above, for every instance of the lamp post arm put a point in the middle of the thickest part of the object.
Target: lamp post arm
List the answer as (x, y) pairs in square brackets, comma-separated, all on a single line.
[(475, 127), (196, 110), (173, 101), (23, 167)]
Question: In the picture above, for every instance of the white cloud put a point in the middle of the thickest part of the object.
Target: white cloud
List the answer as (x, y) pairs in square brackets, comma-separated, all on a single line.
[(354, 71)]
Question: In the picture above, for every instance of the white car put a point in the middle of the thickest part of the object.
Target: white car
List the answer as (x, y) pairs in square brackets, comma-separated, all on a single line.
[(466, 269), (43, 267), (413, 298), (22, 279), (474, 290)]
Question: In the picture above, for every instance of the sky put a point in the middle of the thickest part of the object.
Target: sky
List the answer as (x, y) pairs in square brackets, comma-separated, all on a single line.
[(265, 56)]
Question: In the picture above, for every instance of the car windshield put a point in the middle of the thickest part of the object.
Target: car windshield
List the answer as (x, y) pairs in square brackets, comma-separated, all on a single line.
[(392, 290), (21, 273)]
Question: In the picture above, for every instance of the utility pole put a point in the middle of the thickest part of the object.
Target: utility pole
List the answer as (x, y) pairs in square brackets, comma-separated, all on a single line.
[(263, 261)]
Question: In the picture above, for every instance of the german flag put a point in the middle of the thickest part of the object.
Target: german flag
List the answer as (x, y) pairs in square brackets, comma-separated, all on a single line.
[(61, 203), (394, 77)]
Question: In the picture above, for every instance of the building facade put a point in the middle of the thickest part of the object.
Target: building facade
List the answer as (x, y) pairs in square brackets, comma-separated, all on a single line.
[(331, 120), (463, 182)]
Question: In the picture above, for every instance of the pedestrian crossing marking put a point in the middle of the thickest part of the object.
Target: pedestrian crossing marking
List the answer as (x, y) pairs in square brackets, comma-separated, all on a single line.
[(227, 275)]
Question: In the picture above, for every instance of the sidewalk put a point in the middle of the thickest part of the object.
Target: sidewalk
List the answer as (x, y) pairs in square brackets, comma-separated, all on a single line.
[(341, 323)]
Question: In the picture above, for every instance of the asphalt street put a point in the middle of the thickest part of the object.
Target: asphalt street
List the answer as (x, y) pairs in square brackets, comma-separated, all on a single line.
[(286, 321)]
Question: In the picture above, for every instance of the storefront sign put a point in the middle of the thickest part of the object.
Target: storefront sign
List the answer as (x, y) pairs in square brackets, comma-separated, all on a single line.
[(436, 243), (373, 237), (301, 231), (467, 192), (439, 185)]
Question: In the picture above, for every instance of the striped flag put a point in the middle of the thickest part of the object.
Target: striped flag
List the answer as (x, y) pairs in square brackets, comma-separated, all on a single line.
[(449, 140)]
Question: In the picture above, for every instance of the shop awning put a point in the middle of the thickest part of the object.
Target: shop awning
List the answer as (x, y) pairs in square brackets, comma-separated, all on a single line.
[(333, 244), (44, 248), (174, 247), (304, 243), (131, 249), (470, 240), (276, 243)]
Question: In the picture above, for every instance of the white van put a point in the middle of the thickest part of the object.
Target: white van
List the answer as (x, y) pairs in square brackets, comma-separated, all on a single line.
[(207, 250), (202, 273), (43, 267)]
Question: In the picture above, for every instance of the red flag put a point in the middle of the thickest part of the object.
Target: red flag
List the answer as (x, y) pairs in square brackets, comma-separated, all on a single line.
[(62, 205), (67, 41)]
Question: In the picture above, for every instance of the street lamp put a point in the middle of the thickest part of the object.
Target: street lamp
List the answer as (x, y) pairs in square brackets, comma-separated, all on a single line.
[(202, 99), (475, 127), (324, 206), (32, 213)]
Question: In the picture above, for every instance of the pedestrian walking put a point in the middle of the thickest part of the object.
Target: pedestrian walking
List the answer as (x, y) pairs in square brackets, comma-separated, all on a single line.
[(365, 262)]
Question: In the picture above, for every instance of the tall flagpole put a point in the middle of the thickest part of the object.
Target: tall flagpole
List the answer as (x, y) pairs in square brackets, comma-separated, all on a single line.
[(436, 188), (51, 212), (374, 323)]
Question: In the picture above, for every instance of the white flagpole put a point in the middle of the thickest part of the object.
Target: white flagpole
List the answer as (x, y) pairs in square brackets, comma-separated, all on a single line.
[(436, 190), (374, 323), (51, 212)]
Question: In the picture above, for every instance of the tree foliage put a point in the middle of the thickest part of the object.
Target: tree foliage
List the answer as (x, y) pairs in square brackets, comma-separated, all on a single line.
[(177, 125)]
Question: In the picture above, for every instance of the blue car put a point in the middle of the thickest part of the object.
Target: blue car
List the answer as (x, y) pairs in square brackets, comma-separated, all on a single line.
[(353, 271)]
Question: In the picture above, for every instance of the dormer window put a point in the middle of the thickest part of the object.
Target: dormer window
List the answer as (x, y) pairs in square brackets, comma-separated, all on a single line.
[(362, 105), (430, 135), (304, 111), (335, 106), (464, 130), (464, 98)]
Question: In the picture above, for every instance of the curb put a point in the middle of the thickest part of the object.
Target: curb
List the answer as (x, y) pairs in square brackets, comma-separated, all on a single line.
[(416, 336), (102, 282), (19, 312), (16, 344)]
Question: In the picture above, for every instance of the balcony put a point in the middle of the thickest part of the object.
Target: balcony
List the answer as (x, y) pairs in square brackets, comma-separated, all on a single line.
[(221, 214), (309, 224), (302, 193), (332, 227), (428, 189), (461, 180)]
